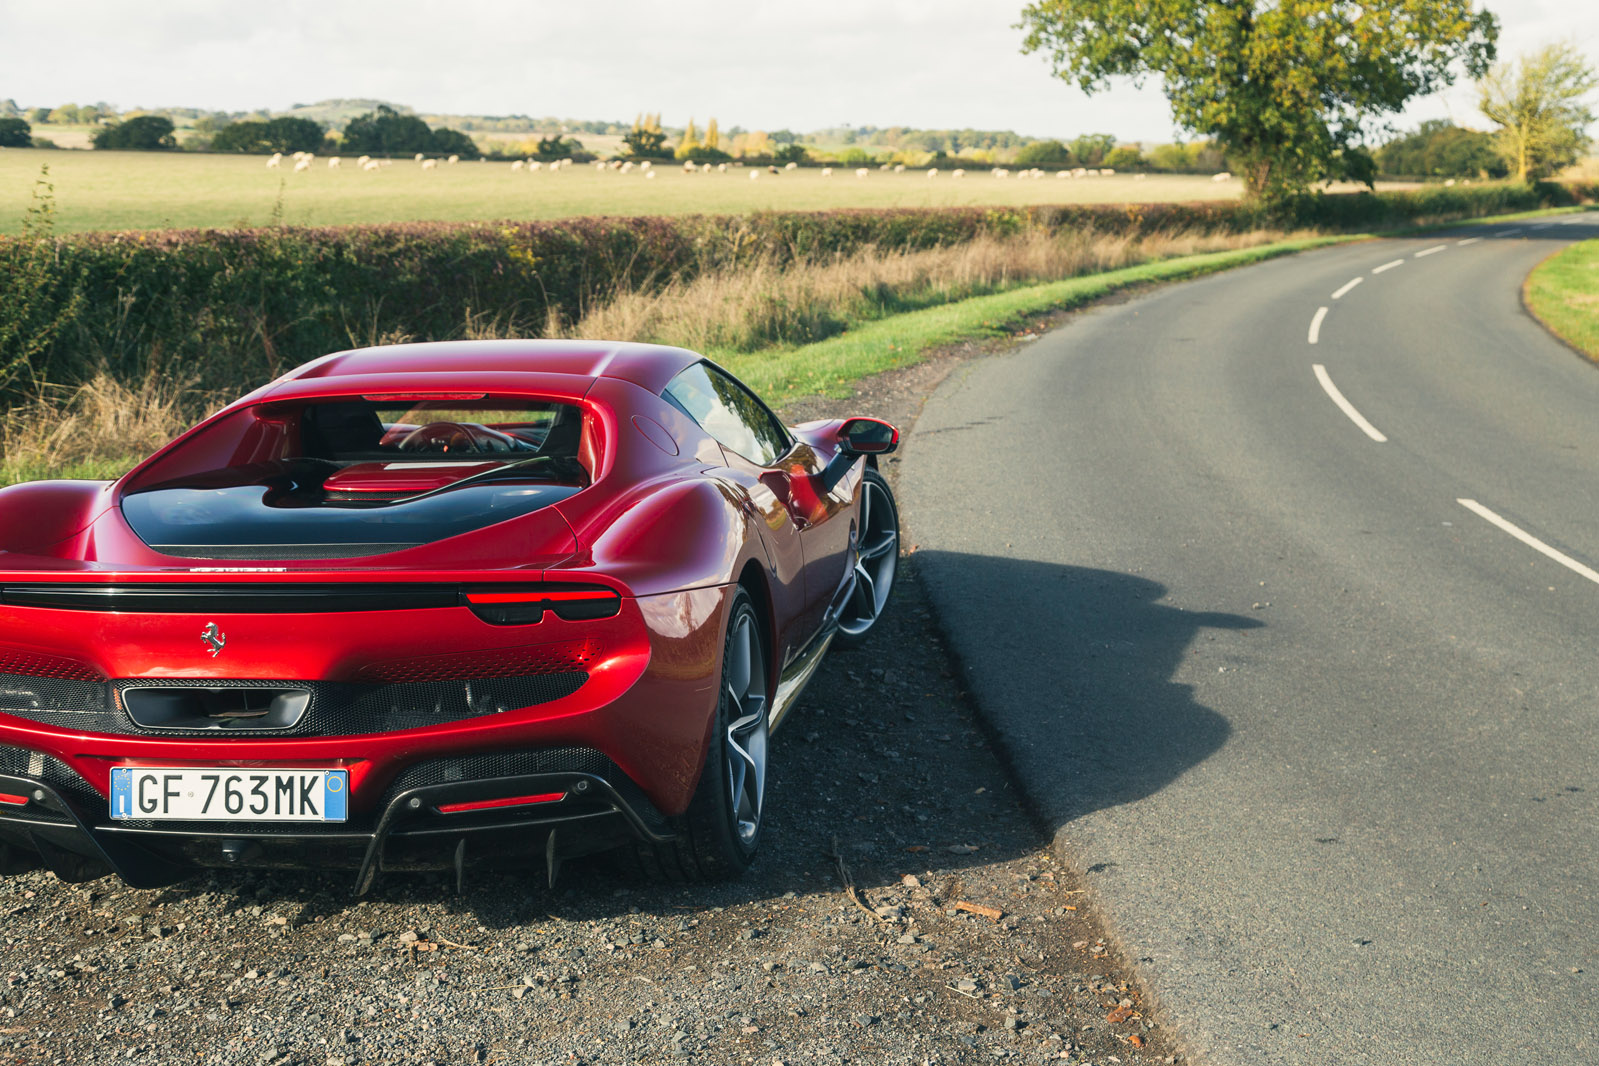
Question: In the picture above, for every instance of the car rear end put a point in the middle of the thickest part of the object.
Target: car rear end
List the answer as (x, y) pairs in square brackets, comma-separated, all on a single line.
[(219, 669)]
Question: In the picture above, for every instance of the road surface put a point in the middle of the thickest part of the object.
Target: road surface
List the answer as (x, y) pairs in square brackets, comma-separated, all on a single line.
[(1280, 588)]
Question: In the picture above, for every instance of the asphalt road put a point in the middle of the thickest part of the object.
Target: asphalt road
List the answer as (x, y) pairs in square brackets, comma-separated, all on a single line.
[(1323, 735)]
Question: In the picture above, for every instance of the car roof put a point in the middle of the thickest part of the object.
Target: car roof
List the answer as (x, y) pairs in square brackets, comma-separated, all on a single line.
[(650, 366)]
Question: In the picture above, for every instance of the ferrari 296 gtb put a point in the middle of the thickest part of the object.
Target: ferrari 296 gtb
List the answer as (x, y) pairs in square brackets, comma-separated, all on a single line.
[(416, 606)]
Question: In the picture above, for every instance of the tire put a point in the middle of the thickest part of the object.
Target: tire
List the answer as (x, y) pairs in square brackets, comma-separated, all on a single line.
[(876, 559), (719, 834)]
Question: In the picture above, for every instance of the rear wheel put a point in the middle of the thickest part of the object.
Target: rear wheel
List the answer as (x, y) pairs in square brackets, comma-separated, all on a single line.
[(876, 558), (718, 835)]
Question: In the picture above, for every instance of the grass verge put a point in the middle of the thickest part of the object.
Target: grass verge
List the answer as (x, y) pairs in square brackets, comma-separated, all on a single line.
[(1562, 292), (831, 367)]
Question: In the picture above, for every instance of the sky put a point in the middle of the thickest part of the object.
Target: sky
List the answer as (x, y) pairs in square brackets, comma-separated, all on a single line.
[(753, 63)]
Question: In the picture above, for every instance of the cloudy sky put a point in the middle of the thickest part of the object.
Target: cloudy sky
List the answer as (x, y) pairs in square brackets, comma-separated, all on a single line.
[(755, 63)]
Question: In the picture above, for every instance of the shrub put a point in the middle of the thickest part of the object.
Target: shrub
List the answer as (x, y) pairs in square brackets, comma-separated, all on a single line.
[(145, 133), (15, 133)]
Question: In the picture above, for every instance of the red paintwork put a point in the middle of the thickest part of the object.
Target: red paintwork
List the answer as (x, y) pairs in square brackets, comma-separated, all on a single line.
[(670, 523)]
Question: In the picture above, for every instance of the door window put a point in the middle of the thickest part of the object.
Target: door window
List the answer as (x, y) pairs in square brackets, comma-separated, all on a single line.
[(728, 412)]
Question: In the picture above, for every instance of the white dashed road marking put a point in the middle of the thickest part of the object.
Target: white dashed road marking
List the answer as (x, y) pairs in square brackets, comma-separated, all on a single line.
[(1468, 240), (1529, 540), (1430, 251), (1345, 288), (1345, 406), (1315, 324), (1388, 266)]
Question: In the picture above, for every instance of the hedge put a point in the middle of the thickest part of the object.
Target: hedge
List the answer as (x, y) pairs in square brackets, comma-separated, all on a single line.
[(223, 308)]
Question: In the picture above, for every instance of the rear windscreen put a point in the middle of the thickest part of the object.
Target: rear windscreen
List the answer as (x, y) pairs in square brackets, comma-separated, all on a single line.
[(366, 430)]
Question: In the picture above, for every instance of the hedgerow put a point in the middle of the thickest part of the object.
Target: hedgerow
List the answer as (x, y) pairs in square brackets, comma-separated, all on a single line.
[(222, 309)]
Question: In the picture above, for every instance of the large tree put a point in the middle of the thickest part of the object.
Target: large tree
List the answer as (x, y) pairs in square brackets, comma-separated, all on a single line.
[(1540, 106), (1285, 85)]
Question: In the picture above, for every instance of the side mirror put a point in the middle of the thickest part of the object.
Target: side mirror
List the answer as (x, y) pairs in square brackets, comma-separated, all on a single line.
[(858, 437), (867, 436)]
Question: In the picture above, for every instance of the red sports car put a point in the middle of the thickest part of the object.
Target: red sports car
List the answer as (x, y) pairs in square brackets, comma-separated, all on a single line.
[(410, 606)]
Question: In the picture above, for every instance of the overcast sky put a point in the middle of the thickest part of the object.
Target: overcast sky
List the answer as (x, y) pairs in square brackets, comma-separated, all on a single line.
[(755, 63)]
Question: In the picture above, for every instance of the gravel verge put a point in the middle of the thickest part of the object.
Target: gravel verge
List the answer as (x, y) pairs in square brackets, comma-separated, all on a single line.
[(906, 908)]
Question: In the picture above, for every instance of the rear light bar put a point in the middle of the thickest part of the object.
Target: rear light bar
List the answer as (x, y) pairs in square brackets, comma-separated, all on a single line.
[(524, 606), (506, 801), (420, 397), (15, 801)]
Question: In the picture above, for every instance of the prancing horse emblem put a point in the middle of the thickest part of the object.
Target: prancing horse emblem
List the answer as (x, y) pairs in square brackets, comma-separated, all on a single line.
[(215, 639)]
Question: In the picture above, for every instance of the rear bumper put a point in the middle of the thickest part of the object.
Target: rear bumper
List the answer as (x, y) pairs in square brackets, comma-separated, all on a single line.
[(413, 828)]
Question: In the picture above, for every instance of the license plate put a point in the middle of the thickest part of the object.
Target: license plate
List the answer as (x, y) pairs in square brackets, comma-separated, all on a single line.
[(229, 795)]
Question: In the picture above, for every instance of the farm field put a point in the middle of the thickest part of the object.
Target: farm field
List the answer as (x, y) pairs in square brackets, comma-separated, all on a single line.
[(138, 190)]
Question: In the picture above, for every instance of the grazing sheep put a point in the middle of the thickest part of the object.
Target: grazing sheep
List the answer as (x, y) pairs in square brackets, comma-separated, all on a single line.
[(304, 164), (333, 164), (884, 166), (933, 173), (626, 167), (721, 168), (1140, 177), (689, 166), (420, 157), (899, 168), (827, 172), (862, 172), (1106, 172), (754, 174), (371, 164), (706, 168), (791, 166), (1079, 172), (773, 170), (534, 164), (516, 165), (276, 161), (1450, 184), (363, 161), (957, 173), (430, 164), (1001, 172), (649, 173), (1223, 176), (454, 159), (1063, 173)]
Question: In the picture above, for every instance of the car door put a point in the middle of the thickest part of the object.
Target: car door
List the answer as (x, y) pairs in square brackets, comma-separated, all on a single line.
[(782, 479)]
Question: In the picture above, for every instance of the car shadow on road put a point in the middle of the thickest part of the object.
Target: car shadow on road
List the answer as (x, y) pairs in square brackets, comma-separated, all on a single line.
[(1072, 670)]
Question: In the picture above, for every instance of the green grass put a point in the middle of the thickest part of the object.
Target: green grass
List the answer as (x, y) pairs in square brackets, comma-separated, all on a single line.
[(154, 190), (831, 367), (1563, 292)]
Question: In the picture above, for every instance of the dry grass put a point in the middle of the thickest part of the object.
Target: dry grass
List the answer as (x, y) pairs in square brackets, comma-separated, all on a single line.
[(762, 303), (100, 430)]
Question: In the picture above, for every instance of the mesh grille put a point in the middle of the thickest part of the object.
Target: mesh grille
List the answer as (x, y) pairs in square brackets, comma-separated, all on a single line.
[(20, 693), (277, 551), (336, 708), (526, 661), (22, 662), (21, 762)]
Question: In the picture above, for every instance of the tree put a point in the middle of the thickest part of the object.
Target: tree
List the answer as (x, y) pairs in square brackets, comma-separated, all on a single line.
[(688, 142), (453, 142), (386, 132), (646, 140), (1044, 153), (1440, 149), (713, 139), (791, 153), (1539, 104), (1286, 87), (241, 137), (1123, 157), (15, 133), (287, 134), (142, 133), (1090, 149)]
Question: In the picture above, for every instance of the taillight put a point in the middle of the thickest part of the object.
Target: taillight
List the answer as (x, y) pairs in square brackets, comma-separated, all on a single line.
[(527, 604)]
